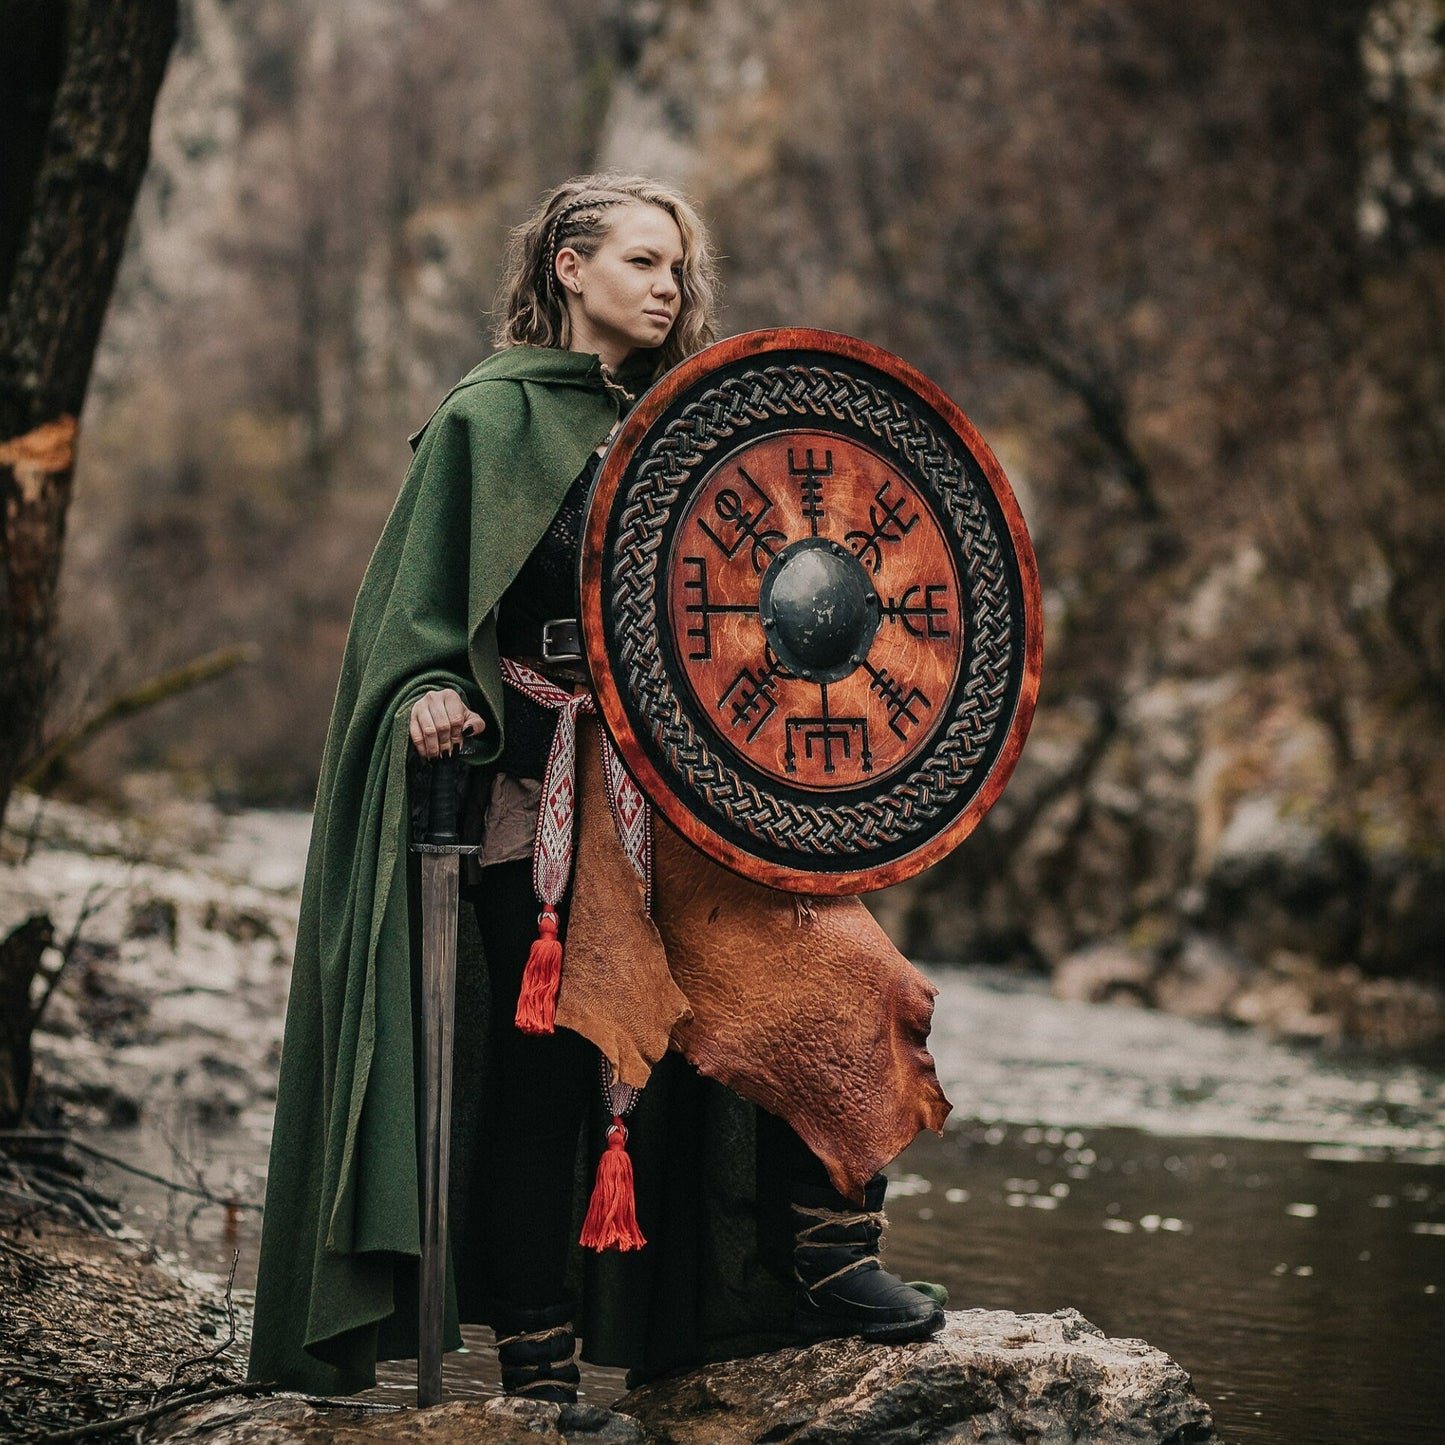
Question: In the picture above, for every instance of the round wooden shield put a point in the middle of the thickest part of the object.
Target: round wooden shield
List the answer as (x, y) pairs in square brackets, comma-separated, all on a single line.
[(811, 611)]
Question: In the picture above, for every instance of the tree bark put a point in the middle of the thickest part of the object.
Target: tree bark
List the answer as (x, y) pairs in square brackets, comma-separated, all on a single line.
[(78, 83), (20, 953)]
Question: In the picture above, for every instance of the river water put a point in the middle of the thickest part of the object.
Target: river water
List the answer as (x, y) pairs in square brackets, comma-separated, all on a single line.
[(1272, 1217)]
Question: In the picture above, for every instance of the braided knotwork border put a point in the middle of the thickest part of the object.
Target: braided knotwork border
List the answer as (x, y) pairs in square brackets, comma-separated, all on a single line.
[(737, 402)]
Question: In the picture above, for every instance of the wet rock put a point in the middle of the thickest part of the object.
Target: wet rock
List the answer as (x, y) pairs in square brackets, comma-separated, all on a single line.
[(243, 925), (1396, 1013), (1202, 979), (170, 1002), (988, 1378), (300, 1420), (1278, 881), (1295, 998), (1109, 972), (153, 918)]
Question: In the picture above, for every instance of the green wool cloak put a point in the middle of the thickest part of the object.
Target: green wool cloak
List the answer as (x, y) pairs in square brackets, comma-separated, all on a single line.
[(341, 1235)]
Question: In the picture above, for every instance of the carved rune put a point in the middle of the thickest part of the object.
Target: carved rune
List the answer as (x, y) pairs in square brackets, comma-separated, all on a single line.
[(747, 525), (828, 736), (928, 618), (754, 695), (810, 484), (886, 524), (700, 609), (899, 704)]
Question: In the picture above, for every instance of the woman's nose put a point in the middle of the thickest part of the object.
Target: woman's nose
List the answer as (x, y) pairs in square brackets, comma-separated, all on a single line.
[(666, 285)]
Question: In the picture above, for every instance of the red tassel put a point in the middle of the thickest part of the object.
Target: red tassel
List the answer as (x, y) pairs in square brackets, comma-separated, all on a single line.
[(611, 1221), (537, 1003)]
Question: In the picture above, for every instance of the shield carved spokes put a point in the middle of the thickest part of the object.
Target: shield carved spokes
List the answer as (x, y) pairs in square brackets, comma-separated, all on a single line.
[(811, 611)]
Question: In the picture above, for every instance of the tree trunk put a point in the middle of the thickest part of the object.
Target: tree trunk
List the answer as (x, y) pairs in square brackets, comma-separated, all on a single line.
[(78, 83), (20, 953)]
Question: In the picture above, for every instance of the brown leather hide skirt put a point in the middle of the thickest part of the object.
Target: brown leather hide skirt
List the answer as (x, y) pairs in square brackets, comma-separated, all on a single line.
[(799, 1004)]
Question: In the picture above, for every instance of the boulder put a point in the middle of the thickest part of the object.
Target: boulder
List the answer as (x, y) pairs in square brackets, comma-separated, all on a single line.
[(303, 1420), (1106, 972), (989, 1376), (1201, 980)]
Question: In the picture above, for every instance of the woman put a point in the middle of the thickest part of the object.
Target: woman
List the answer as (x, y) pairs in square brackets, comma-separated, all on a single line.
[(610, 283)]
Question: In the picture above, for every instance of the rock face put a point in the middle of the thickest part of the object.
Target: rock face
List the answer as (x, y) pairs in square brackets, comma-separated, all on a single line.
[(989, 1376)]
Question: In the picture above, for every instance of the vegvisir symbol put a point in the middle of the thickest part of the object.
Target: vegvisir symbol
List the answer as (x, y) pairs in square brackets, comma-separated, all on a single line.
[(951, 736)]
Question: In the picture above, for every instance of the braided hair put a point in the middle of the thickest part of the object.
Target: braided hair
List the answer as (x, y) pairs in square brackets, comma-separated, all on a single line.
[(578, 214)]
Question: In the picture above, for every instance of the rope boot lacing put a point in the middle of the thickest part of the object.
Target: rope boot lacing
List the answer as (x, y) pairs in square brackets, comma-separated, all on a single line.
[(870, 1221), (537, 1363), (843, 1287)]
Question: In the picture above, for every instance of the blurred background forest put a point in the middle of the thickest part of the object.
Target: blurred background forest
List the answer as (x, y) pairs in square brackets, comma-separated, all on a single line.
[(1184, 266)]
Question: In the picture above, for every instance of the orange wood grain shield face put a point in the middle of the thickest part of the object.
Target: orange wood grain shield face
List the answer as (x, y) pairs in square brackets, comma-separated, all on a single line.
[(811, 611)]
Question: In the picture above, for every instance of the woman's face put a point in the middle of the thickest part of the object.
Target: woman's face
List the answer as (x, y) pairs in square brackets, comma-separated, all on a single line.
[(627, 293)]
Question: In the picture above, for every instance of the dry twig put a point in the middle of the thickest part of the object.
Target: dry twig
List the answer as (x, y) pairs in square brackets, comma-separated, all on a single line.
[(230, 1338)]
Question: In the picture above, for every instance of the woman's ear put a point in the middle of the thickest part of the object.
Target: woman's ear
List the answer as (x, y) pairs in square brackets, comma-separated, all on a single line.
[(568, 264)]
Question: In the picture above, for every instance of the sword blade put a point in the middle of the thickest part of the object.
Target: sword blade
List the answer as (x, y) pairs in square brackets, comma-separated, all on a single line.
[(439, 890)]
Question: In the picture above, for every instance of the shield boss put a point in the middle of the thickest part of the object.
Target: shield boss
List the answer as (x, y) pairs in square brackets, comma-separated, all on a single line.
[(811, 611)]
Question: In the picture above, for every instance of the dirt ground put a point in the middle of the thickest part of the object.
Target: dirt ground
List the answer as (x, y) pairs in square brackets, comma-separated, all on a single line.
[(101, 1340), (92, 1329)]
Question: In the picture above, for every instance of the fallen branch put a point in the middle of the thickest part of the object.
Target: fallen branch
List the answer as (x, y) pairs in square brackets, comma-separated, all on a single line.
[(136, 699), (59, 1172), (41, 1136), (61, 1197), (154, 1412)]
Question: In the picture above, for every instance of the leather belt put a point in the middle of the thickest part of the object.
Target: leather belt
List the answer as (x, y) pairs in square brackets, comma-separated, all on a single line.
[(559, 639)]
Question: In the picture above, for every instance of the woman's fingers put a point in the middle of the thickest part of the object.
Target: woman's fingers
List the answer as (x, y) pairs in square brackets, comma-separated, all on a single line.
[(441, 721)]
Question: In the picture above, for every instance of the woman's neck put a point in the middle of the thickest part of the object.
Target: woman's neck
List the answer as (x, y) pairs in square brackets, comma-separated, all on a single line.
[(612, 357)]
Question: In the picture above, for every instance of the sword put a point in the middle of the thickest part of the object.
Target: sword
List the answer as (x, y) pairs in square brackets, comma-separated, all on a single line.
[(438, 842)]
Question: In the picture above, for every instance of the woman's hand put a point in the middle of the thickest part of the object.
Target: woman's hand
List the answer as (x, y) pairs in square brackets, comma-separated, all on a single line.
[(441, 721)]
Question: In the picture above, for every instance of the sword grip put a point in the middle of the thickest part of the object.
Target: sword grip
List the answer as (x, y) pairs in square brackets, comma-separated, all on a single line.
[(444, 801), (437, 789)]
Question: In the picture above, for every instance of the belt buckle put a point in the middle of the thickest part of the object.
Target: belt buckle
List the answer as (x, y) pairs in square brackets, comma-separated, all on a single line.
[(548, 655)]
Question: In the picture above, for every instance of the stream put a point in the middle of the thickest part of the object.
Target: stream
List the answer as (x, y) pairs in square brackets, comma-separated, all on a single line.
[(1273, 1217)]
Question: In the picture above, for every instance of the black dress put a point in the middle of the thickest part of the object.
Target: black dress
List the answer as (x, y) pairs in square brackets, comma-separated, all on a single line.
[(712, 1173)]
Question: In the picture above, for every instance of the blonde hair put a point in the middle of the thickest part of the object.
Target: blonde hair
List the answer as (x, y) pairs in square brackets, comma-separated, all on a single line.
[(576, 214)]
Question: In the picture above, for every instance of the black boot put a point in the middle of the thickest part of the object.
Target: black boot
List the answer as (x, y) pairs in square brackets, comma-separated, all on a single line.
[(535, 1349), (842, 1287)]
